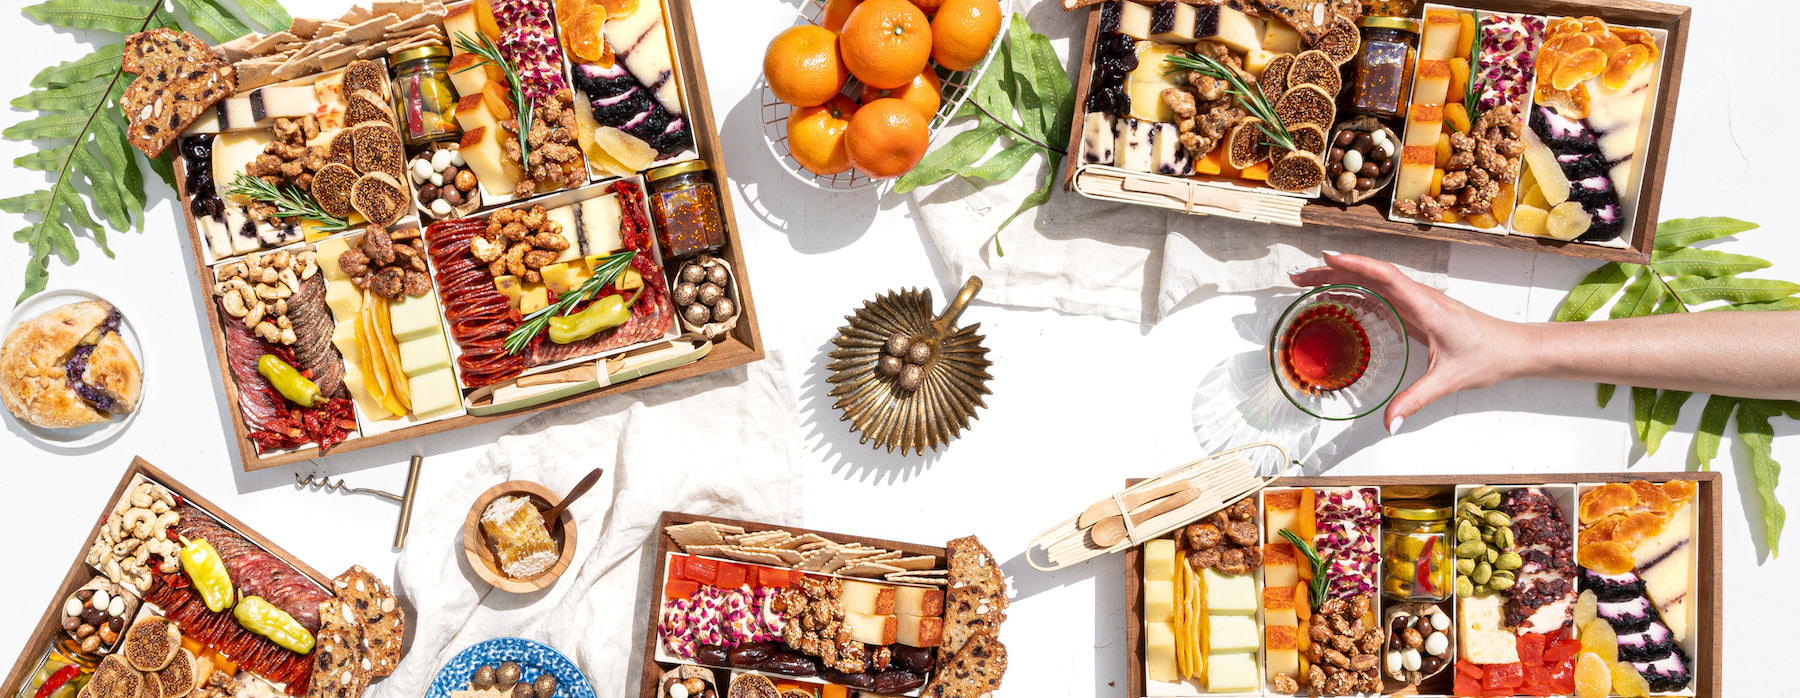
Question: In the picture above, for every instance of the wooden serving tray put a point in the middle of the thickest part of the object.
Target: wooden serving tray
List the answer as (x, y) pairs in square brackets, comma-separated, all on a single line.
[(79, 572), (1371, 214), (742, 345), (1708, 630), (647, 684)]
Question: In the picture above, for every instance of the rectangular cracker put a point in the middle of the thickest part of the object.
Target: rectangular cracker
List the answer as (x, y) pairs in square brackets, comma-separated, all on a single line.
[(869, 569), (401, 9), (816, 561), (267, 44), (370, 29), (239, 49), (356, 14), (804, 539), (915, 563), (305, 27), (338, 57), (688, 535), (761, 556), (901, 578)]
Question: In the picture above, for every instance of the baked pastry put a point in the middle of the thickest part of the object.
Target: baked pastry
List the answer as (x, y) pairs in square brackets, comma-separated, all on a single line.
[(68, 368), (383, 621)]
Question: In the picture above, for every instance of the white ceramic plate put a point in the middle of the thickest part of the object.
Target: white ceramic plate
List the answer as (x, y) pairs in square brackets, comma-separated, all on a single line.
[(79, 437)]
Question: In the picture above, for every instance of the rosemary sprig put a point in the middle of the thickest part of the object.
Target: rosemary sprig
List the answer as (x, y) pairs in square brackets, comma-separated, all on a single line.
[(1247, 96), (486, 49), (1317, 588), (609, 270), (289, 202), (1471, 88)]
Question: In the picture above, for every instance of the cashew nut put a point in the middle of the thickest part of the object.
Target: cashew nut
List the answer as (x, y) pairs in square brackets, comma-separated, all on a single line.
[(284, 323), (159, 506), (95, 552), (272, 292), (234, 304), (169, 565), (268, 332), (125, 547), (232, 271), (165, 496), (269, 275), (112, 569), (163, 547), (280, 260), (163, 522), (255, 314), (312, 267), (281, 306), (139, 520), (288, 280), (141, 496)]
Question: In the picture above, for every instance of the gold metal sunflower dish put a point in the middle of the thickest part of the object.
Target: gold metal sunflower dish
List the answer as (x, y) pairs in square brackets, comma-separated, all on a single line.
[(906, 379)]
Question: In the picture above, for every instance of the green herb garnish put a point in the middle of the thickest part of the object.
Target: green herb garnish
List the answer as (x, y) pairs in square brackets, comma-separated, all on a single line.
[(1472, 88), (1316, 589), (487, 50), (289, 202), (1248, 96), (609, 270)]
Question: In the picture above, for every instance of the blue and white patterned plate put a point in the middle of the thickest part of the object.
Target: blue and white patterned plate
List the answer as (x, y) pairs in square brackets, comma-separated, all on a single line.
[(533, 657)]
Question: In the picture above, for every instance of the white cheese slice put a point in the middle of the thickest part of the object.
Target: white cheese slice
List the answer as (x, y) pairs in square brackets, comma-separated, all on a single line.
[(1171, 158), (1097, 138), (231, 153), (425, 354), (600, 220), (643, 46), (1173, 22), (1230, 594), (1665, 562), (218, 237), (434, 393), (1278, 37), (1232, 672), (327, 255), (565, 216), (243, 230), (1239, 31), (1481, 635), (1133, 147), (1134, 20), (411, 318)]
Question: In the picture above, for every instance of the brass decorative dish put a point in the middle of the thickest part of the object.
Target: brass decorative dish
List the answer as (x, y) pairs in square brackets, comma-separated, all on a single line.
[(906, 379)]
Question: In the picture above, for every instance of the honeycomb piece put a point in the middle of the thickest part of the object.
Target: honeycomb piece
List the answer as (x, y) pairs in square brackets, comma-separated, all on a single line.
[(1624, 64), (1607, 557), (1606, 500), (522, 546), (1578, 67), (1598, 639)]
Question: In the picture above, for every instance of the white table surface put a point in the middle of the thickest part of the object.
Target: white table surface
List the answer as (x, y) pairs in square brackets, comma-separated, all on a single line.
[(1079, 403)]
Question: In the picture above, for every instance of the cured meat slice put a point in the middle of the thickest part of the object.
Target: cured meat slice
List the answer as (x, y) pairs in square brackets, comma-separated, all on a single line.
[(313, 326), (257, 399), (254, 570)]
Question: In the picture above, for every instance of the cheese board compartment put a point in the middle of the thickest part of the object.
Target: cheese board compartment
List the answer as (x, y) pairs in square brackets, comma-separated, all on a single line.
[(1656, 578), (423, 98), (1114, 87)]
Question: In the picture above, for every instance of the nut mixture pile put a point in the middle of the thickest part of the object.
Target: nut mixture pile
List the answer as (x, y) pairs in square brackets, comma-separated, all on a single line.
[(519, 243), (390, 264), (256, 291)]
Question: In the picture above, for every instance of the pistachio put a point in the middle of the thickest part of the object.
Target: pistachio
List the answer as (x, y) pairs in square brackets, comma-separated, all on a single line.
[(1464, 588), (1491, 555), (1472, 548), (1501, 583), (1466, 532), (1464, 565), (1503, 538), (1489, 500), (1508, 561), (1498, 519), (1482, 573)]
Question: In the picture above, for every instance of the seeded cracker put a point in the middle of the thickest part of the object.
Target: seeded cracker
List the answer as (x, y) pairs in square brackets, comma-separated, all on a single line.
[(689, 535), (338, 667), (179, 78), (384, 622)]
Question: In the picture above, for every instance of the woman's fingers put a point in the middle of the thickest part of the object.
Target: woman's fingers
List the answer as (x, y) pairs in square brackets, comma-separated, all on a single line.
[(1424, 391)]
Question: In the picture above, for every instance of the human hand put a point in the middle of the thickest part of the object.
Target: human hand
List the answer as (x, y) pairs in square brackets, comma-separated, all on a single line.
[(1467, 349)]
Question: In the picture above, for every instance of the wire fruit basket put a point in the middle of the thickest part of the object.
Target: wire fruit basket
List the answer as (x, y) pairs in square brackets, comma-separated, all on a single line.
[(953, 86)]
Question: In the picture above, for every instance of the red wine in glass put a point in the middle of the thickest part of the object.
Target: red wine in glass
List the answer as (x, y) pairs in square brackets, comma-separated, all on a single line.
[(1325, 349)]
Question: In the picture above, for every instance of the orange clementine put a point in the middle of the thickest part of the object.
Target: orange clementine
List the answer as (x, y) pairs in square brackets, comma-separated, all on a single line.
[(928, 6), (886, 42), (886, 138), (922, 93), (816, 135), (836, 11), (962, 31), (803, 67)]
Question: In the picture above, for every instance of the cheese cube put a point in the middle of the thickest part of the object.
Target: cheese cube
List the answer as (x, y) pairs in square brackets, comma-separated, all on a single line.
[(1159, 652), (864, 597), (344, 299), (411, 318), (1097, 138), (1416, 164), (1230, 594), (467, 75), (1172, 22), (1147, 103), (1232, 672), (1280, 510), (1282, 649), (1134, 20), (434, 393), (1433, 84), (918, 601), (1481, 635), (1241, 32), (1231, 634), (916, 631), (1171, 158), (1280, 565), (1134, 149), (424, 354), (599, 227), (1256, 61), (558, 277), (461, 20), (1443, 32), (1159, 559), (327, 257), (565, 216), (1159, 601), (1280, 38), (480, 146), (1278, 605), (535, 298), (243, 230), (343, 336), (1424, 124), (872, 629)]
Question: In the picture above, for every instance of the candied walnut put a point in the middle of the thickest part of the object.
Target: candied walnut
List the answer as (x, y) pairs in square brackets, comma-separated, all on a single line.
[(1243, 510), (1333, 606), (1204, 535), (1203, 558), (353, 262), (549, 241), (485, 249), (378, 247), (409, 256), (416, 283), (538, 259), (390, 282), (1286, 684), (1243, 533), (1231, 561)]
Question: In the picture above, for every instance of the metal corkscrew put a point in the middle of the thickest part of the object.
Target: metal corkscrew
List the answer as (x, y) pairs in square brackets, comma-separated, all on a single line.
[(321, 482)]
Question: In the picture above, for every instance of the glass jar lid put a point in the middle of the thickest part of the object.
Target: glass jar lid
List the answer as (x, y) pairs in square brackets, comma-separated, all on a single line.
[(679, 168), (1415, 510), (414, 54), (1404, 24)]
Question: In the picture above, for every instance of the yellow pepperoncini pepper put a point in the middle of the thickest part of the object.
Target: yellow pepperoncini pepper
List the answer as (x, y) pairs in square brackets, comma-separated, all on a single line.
[(287, 380), (207, 571), (606, 313), (259, 616)]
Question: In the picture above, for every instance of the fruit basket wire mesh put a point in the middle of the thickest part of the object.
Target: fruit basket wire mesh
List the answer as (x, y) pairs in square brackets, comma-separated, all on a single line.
[(955, 87)]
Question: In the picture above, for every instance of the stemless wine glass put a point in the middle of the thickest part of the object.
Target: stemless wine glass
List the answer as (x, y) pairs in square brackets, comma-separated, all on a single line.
[(1339, 352)]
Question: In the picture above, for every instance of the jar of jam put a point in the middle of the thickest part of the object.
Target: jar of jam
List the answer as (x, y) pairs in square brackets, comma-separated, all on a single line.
[(424, 96), (1381, 75), (684, 201), (1415, 551), (1388, 8)]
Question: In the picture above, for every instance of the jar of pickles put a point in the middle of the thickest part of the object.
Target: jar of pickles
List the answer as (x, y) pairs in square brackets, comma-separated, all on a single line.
[(684, 200), (1381, 73), (424, 98), (1415, 550)]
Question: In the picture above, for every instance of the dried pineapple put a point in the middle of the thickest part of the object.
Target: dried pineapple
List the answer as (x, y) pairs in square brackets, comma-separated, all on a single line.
[(1530, 219), (1598, 639), (1586, 607), (1593, 676), (1628, 683)]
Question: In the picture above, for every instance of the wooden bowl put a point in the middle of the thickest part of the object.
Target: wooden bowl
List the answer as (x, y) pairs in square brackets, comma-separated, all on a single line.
[(480, 551)]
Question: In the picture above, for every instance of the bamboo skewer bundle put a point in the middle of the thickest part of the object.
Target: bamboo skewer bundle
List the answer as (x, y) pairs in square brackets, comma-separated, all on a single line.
[(1221, 479), (1188, 196)]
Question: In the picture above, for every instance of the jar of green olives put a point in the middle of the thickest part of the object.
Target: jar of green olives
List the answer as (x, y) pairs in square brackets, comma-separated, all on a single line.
[(424, 98), (1415, 550)]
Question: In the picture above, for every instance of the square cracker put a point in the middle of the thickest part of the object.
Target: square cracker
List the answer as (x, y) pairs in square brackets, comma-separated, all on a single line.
[(305, 27), (422, 20), (369, 29), (869, 569), (802, 540), (882, 556), (688, 535), (257, 72), (917, 562), (355, 14), (816, 561), (413, 43), (760, 537), (239, 49), (330, 27), (761, 556), (821, 545), (402, 9)]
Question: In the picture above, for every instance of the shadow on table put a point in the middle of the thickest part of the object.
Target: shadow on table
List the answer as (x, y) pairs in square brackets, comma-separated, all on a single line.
[(838, 446), (1109, 619)]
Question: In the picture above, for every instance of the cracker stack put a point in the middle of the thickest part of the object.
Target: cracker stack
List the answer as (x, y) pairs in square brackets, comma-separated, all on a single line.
[(312, 45), (179, 79), (807, 552), (971, 660)]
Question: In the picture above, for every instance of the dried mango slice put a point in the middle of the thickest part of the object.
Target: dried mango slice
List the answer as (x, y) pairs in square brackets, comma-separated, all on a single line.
[(1566, 25), (1607, 557), (1623, 65), (1599, 638), (1578, 67), (584, 38), (1593, 25), (1679, 490), (1606, 500), (619, 8)]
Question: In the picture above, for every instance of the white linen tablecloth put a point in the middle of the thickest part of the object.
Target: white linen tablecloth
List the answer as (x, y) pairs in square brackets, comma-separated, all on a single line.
[(724, 444)]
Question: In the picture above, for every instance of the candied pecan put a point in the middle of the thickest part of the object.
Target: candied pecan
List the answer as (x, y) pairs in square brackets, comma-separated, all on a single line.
[(389, 283), (378, 247)]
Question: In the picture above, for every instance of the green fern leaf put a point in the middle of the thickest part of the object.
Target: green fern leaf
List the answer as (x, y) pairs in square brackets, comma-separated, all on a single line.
[(105, 192), (103, 15), (1643, 400), (1782, 304), (1593, 291), (77, 210), (1712, 428), (1758, 437), (1003, 165), (164, 167), (47, 160), (1663, 417), (209, 17), (60, 124), (1640, 297), (35, 201), (37, 267), (267, 13), (109, 135), (1603, 394), (1681, 232), (103, 61), (80, 96), (1691, 261), (1694, 290)]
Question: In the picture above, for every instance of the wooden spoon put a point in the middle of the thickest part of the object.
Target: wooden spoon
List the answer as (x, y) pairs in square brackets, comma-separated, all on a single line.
[(553, 517), (1111, 529), (1105, 507)]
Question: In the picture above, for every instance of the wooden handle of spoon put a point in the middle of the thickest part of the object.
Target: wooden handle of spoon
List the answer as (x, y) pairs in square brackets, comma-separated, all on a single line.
[(1105, 507), (553, 518), (1111, 530)]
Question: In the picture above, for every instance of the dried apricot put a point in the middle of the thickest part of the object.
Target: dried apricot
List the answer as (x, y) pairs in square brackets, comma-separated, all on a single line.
[(619, 8), (1651, 497), (1459, 78), (1593, 25), (1605, 557), (1442, 152), (1503, 203), (1483, 220), (1597, 638), (1465, 42), (1623, 65), (1628, 683), (1679, 490), (1437, 182), (1566, 25), (1609, 42), (1456, 117), (1593, 676), (1579, 66), (583, 36), (1606, 500)]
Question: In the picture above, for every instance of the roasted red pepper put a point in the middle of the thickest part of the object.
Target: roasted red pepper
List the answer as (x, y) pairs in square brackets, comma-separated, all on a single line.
[(57, 680)]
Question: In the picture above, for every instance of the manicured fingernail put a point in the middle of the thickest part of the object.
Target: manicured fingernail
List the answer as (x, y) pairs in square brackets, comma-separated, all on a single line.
[(1296, 271), (1394, 428), (1331, 253)]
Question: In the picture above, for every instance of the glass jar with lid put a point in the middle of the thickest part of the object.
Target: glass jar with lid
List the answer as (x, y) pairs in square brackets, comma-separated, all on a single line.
[(1416, 551), (1381, 73), (684, 201), (424, 97)]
